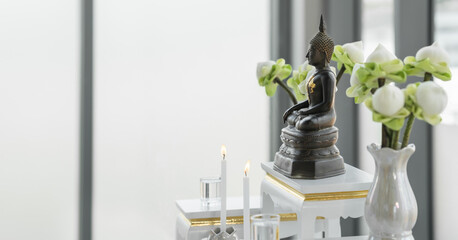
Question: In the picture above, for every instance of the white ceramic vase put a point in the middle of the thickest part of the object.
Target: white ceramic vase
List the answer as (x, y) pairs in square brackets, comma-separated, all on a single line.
[(391, 208)]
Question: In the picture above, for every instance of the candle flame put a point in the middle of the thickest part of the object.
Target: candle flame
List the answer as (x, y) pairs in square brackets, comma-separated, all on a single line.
[(247, 167), (223, 151)]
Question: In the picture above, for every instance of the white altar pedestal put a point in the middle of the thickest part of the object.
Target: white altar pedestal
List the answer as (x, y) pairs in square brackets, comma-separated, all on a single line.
[(319, 204), (194, 222)]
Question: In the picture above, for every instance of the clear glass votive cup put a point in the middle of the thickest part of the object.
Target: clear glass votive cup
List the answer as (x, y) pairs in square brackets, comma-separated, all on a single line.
[(210, 191), (265, 227)]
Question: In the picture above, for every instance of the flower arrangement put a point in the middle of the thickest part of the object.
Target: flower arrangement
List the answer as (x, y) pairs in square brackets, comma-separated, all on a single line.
[(373, 82)]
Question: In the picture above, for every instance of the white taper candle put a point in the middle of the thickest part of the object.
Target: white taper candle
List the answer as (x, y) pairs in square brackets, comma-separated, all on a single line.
[(223, 189), (246, 203)]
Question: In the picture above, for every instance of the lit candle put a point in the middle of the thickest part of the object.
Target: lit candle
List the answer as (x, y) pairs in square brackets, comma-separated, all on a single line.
[(223, 189), (246, 203)]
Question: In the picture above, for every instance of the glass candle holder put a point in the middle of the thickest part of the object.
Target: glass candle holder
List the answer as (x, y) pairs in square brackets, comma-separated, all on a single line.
[(210, 191), (265, 227)]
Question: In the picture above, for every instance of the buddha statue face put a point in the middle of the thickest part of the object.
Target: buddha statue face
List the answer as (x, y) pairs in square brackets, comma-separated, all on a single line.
[(316, 57)]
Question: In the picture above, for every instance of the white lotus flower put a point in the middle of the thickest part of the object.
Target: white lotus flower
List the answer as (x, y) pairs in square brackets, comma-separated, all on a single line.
[(306, 66), (388, 100), (355, 51), (381, 55), (431, 97), (354, 79), (310, 74), (303, 87), (435, 53), (303, 84), (264, 68)]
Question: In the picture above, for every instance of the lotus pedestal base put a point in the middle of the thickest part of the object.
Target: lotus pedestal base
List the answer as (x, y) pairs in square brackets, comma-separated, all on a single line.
[(309, 155)]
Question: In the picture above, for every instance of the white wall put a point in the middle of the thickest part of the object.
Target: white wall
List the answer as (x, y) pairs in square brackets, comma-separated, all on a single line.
[(174, 80), (39, 66), (445, 167)]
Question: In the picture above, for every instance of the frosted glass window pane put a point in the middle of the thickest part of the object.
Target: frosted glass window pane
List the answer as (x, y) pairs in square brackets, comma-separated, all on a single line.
[(444, 135), (173, 81), (377, 27), (39, 68), (446, 34), (377, 24)]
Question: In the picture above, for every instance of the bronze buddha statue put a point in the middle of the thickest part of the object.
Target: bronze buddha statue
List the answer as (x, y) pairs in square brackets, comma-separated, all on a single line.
[(308, 150)]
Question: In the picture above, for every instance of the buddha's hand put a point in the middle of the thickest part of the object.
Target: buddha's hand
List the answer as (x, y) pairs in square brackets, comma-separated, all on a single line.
[(290, 116), (302, 111), (292, 109), (285, 115)]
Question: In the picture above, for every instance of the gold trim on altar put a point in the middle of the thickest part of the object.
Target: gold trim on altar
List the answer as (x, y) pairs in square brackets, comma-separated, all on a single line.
[(317, 196), (201, 222)]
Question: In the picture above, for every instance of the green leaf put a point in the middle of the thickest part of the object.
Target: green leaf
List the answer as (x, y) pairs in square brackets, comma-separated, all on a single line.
[(284, 72), (271, 89), (274, 69), (445, 76), (399, 77), (411, 89), (280, 62), (298, 94), (302, 76), (342, 59), (418, 68), (261, 81), (291, 82), (395, 65), (370, 72), (433, 120), (360, 99), (409, 59), (395, 122), (352, 91), (412, 105), (294, 82)]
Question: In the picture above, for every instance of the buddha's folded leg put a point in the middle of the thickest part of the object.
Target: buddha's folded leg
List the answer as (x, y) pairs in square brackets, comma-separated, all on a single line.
[(307, 124), (292, 118), (316, 122)]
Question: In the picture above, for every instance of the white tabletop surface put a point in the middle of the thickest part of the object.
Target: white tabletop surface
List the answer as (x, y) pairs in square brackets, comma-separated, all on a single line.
[(192, 208), (349, 238), (353, 179), (341, 238)]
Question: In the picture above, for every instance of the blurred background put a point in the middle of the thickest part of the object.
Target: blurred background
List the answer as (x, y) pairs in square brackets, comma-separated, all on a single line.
[(112, 110)]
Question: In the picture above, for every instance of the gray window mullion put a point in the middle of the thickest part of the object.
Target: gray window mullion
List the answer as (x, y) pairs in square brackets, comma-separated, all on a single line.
[(344, 25), (86, 121), (281, 34)]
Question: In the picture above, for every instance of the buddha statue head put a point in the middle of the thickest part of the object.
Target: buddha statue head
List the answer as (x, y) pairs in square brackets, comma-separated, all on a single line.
[(321, 47)]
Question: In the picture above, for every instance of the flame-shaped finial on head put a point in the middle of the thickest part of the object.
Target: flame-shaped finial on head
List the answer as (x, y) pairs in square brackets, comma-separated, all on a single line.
[(322, 42), (247, 167), (223, 151), (322, 25)]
